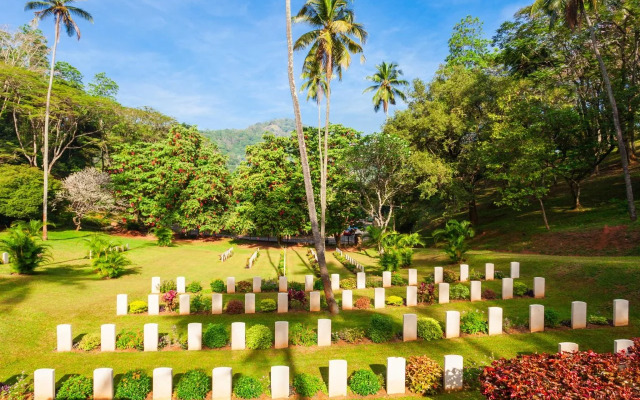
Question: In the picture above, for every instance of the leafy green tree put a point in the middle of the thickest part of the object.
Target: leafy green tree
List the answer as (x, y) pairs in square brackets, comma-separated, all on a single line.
[(62, 12), (103, 86), (386, 82), (20, 190), (68, 74), (26, 252), (454, 235), (25, 48), (467, 46), (180, 181)]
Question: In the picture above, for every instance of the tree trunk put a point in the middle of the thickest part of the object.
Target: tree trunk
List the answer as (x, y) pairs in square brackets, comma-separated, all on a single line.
[(323, 177), (575, 193), (616, 121), (544, 214), (473, 212), (320, 137), (304, 162), (45, 150), (338, 238)]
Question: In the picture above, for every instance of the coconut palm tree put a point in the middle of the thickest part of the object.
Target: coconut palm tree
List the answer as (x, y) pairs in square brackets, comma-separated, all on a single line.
[(306, 172), (573, 12), (63, 12), (334, 37), (315, 84), (386, 82)]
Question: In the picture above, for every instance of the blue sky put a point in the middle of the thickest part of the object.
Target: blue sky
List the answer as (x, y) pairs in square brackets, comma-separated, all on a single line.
[(222, 64)]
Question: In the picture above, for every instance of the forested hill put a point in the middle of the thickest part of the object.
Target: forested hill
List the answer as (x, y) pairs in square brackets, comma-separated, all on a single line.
[(232, 142)]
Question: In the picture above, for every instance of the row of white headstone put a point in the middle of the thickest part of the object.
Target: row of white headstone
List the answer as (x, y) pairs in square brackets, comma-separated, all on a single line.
[(225, 256), (507, 290), (5, 258), (489, 275), (253, 258), (351, 260), (315, 255), (619, 346), (222, 380), (118, 249)]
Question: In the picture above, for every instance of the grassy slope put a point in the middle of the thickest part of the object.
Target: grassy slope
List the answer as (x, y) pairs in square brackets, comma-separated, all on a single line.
[(68, 292)]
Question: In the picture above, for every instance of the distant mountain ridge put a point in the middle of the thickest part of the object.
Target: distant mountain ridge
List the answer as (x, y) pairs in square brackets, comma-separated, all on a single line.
[(232, 142)]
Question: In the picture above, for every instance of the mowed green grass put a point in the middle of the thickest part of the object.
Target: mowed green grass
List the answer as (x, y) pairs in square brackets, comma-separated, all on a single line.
[(68, 291)]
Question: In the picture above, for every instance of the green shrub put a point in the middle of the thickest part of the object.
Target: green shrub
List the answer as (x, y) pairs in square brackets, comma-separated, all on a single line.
[(199, 303), (423, 375), (21, 389), (473, 322), (395, 301), (21, 190), (476, 275), (167, 286), (318, 285), (296, 286), (551, 318), (459, 292), (259, 337), (215, 336), (76, 387), (164, 236), (352, 335), (454, 235), (498, 275), (218, 286), (89, 342), (364, 382), (268, 305), (194, 287), (397, 280), (302, 335), (26, 250), (380, 328), (519, 289), (138, 307), (134, 385), (429, 329), (348, 283), (130, 340), (269, 285), (248, 387), (307, 385), (597, 320), (390, 260), (111, 264), (449, 276), (193, 385), (373, 281)]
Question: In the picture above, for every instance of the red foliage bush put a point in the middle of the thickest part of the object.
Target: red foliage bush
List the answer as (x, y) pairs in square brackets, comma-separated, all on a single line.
[(244, 287), (581, 375), (363, 303), (235, 307), (489, 294), (298, 295)]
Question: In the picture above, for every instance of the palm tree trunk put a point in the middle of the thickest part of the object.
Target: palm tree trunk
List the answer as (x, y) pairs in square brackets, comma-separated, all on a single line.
[(616, 121), (320, 136), (323, 177), (304, 161), (45, 150)]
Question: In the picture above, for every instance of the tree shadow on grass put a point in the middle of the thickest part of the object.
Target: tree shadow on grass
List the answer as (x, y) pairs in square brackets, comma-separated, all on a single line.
[(274, 266), (304, 261)]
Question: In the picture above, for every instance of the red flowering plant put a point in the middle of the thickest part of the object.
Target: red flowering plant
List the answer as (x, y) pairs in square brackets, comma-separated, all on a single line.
[(169, 299)]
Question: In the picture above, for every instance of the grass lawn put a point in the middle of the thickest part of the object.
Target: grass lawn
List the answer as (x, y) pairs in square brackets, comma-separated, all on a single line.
[(68, 291)]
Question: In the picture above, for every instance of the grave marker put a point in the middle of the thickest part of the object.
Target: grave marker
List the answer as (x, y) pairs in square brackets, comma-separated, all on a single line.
[(536, 318), (337, 378), (379, 298), (221, 383), (162, 383), (452, 326), (443, 293), (282, 335), (578, 315), (347, 300), (107, 337), (409, 327), (395, 375), (194, 336), (238, 336), (150, 337), (44, 384), (453, 372), (65, 338), (103, 384)]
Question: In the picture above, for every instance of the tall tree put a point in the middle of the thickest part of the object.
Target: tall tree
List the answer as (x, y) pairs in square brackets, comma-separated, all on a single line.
[(316, 85), (386, 82), (335, 36), (573, 12), (306, 172), (63, 13)]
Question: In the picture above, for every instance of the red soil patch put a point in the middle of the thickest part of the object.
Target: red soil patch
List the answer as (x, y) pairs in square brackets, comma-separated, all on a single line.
[(618, 240)]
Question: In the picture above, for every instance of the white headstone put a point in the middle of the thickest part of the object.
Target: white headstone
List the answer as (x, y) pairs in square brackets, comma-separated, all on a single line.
[(515, 270), (257, 284), (379, 297), (44, 384), (162, 383), (335, 282), (282, 284), (314, 301), (495, 321), (620, 312), (412, 296), (231, 285), (5, 258), (536, 318), (185, 304), (621, 345), (238, 336), (324, 332), (567, 347), (453, 372), (578, 315), (155, 284), (438, 275), (150, 337), (282, 335), (221, 383), (347, 300), (107, 337), (386, 279), (361, 281), (409, 327), (250, 303), (308, 283), (153, 304), (476, 290), (538, 287), (103, 384), (337, 378), (65, 338), (181, 285), (283, 302), (489, 270), (395, 375), (507, 288), (464, 272), (194, 336), (452, 326), (443, 293), (216, 303), (413, 277), (279, 382), (122, 305)]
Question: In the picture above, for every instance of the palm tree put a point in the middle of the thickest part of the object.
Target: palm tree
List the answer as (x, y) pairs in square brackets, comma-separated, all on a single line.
[(316, 85), (573, 12), (386, 82), (62, 12), (335, 36), (306, 172)]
